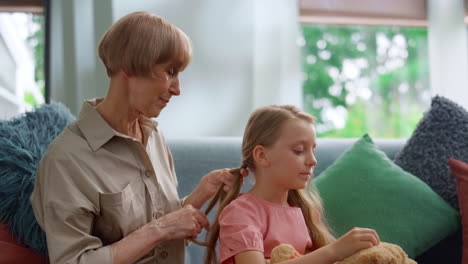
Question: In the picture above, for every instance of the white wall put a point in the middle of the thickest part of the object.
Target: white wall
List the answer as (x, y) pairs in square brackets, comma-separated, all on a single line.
[(10, 105), (277, 56), (233, 42), (448, 50), (75, 71)]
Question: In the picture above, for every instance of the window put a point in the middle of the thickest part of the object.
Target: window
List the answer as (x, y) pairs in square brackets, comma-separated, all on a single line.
[(365, 79), (22, 78)]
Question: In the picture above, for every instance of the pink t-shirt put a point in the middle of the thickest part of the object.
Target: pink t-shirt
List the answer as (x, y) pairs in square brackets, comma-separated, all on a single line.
[(252, 223)]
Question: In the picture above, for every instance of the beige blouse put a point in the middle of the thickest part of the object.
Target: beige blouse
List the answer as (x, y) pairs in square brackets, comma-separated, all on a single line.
[(94, 186)]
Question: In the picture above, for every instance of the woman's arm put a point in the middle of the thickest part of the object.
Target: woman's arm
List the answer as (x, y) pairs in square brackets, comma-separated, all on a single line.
[(137, 244)]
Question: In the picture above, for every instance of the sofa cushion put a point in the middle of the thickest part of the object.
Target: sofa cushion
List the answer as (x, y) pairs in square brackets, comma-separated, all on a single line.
[(441, 134), (23, 141), (364, 188), (12, 252), (446, 251), (460, 171)]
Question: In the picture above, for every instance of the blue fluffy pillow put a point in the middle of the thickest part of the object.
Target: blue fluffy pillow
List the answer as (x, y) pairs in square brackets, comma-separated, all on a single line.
[(23, 142), (440, 135)]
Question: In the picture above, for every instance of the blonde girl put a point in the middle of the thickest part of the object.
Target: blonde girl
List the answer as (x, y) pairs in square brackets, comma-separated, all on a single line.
[(279, 149)]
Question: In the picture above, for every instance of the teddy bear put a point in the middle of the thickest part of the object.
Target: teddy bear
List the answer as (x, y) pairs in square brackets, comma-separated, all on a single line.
[(384, 253)]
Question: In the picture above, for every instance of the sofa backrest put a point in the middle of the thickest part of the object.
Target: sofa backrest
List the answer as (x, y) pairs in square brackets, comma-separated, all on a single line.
[(194, 157)]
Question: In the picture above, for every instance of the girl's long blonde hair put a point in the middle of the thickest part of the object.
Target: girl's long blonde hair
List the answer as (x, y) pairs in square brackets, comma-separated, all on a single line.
[(263, 128)]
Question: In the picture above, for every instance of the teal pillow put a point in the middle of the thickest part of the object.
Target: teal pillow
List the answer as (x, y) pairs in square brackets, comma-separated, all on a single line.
[(364, 188), (23, 142)]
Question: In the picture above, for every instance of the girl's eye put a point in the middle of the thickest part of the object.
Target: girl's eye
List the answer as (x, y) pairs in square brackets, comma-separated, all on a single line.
[(297, 151)]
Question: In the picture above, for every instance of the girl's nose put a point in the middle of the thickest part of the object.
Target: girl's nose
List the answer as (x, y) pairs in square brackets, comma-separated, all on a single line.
[(312, 161)]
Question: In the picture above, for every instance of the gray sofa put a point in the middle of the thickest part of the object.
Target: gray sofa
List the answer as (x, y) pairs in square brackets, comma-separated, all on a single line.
[(194, 157)]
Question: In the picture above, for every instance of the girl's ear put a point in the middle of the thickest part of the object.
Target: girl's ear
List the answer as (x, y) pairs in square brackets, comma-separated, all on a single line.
[(260, 156)]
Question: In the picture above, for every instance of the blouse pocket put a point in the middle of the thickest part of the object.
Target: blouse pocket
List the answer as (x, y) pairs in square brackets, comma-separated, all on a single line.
[(116, 199), (121, 213)]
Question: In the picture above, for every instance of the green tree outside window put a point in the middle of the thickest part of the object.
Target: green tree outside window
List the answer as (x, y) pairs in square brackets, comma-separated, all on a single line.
[(365, 79), (36, 41)]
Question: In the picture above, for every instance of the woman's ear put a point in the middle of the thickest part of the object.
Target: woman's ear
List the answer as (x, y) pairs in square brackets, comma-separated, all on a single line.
[(260, 156), (121, 74), (126, 74)]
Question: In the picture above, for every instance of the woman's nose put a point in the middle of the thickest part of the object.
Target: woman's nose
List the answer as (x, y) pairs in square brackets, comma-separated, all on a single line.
[(174, 89)]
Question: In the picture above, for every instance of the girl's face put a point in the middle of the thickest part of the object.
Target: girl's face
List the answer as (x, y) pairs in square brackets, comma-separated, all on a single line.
[(149, 95), (292, 156)]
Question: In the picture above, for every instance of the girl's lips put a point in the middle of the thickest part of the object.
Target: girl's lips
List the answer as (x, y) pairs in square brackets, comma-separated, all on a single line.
[(305, 175)]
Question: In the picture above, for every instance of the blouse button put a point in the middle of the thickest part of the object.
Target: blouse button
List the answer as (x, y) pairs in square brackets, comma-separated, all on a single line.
[(157, 215), (164, 254), (148, 173)]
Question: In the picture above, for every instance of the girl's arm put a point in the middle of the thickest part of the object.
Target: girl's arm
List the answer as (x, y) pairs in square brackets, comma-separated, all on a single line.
[(321, 255), (250, 257), (347, 245)]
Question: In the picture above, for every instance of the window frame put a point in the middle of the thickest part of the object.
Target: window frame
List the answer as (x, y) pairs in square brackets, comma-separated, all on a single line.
[(365, 12)]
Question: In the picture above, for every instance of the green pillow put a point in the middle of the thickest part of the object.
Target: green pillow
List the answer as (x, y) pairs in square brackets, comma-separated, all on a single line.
[(364, 188)]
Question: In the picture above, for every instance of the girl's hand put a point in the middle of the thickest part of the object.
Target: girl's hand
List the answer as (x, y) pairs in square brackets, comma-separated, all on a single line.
[(354, 241)]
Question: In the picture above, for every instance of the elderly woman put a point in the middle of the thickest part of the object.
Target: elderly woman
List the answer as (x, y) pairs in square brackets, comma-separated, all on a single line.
[(106, 190)]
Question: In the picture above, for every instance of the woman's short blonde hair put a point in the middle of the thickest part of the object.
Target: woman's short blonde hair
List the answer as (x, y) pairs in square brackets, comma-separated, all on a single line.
[(139, 41)]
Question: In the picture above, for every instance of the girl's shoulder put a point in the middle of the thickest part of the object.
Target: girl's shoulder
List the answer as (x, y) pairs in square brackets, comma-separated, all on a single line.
[(243, 206)]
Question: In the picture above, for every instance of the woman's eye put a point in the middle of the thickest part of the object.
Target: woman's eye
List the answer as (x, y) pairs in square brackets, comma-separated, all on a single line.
[(297, 151), (172, 72)]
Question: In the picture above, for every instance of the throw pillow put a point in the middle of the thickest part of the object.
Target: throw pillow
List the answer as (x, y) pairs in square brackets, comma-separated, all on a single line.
[(460, 171), (364, 188), (23, 141), (441, 134)]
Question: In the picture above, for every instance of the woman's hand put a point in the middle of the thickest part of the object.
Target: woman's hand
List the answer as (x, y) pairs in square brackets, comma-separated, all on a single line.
[(354, 241), (184, 223), (209, 185)]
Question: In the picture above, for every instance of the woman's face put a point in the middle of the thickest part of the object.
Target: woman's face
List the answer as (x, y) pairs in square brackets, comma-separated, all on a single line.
[(149, 95)]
